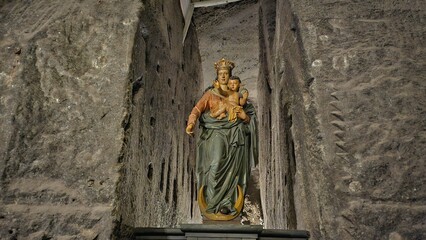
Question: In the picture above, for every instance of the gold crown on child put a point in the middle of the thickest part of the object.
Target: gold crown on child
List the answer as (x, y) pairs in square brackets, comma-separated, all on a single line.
[(224, 64)]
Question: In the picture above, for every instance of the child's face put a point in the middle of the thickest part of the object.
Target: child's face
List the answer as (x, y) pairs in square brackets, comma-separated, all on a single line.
[(233, 85)]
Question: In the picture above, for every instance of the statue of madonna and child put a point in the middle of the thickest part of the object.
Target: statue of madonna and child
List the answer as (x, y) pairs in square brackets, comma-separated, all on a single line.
[(227, 146)]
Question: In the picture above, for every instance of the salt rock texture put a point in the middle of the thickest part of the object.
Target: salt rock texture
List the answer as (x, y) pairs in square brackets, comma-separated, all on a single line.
[(342, 116), (78, 81), (94, 97), (158, 187)]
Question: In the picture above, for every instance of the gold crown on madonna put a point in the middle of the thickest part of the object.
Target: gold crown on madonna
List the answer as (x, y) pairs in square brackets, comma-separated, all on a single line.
[(224, 64)]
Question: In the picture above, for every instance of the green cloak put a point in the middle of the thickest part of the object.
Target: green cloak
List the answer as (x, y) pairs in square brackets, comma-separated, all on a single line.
[(226, 152)]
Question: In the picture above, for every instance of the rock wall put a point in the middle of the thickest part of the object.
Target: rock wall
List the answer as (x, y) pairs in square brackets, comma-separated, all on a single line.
[(94, 97), (158, 186), (341, 105), (79, 80)]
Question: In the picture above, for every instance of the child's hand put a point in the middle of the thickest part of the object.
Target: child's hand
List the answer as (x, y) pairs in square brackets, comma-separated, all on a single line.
[(243, 99), (221, 116), (245, 95)]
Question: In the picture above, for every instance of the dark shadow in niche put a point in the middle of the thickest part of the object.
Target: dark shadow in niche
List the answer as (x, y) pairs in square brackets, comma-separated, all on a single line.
[(163, 163), (152, 121), (136, 85), (169, 34), (175, 190), (150, 170), (166, 197), (192, 183), (290, 169)]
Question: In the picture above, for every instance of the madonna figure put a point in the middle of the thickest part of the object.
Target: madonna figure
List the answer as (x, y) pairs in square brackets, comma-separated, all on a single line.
[(226, 150)]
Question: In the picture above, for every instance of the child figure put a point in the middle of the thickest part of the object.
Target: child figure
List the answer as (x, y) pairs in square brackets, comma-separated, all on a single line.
[(236, 99)]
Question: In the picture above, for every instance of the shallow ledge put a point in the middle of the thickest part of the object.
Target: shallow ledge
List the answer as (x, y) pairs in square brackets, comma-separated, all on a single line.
[(186, 230)]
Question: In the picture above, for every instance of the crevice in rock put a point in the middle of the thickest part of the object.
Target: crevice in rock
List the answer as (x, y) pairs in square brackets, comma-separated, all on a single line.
[(192, 190), (290, 170), (162, 174)]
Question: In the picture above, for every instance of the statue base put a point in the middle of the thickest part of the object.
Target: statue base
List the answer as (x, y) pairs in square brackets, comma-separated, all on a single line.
[(235, 221), (218, 232)]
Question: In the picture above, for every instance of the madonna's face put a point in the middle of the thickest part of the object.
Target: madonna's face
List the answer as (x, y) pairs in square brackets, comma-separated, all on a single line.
[(223, 76)]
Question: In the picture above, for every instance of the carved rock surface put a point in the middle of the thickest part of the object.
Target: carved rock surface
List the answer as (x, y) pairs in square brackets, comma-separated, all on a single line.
[(342, 91), (93, 97), (158, 187), (76, 79)]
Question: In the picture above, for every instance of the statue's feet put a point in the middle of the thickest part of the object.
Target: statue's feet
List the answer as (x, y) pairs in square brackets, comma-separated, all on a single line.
[(225, 210)]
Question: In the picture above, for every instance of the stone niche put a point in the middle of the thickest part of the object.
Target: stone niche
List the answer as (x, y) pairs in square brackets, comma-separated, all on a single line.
[(234, 35), (94, 97)]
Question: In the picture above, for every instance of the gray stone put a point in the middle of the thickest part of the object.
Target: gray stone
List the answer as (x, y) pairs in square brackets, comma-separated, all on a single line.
[(157, 186), (78, 80), (94, 97), (341, 105)]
